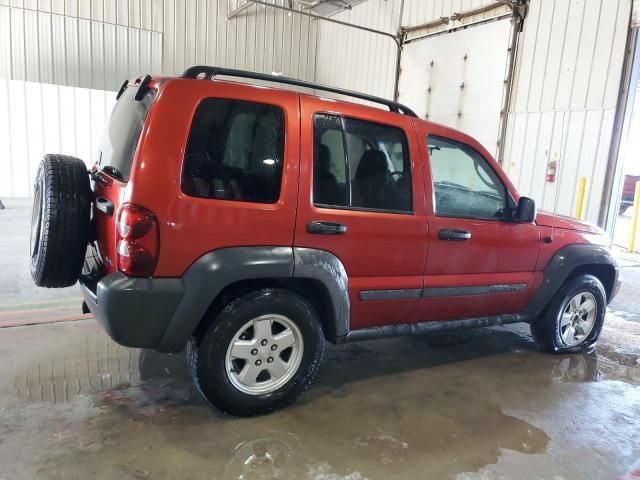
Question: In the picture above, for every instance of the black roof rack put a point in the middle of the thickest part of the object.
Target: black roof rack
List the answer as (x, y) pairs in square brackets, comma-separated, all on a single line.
[(208, 73)]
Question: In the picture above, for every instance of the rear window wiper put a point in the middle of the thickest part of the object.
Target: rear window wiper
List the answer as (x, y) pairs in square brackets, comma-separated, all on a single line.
[(113, 172)]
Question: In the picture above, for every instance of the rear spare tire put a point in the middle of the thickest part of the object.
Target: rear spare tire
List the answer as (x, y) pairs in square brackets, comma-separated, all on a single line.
[(59, 221)]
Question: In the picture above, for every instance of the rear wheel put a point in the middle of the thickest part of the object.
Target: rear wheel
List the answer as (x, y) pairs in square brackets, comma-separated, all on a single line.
[(59, 221), (258, 354), (574, 318)]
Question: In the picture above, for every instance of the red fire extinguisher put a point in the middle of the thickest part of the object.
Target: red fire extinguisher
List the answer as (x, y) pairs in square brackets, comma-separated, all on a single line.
[(552, 167)]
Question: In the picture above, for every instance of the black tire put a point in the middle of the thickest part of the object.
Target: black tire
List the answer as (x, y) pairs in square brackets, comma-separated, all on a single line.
[(59, 221), (546, 330), (207, 351)]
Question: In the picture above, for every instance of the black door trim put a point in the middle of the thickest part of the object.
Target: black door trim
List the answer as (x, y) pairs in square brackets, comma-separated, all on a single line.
[(396, 294), (399, 294), (473, 290)]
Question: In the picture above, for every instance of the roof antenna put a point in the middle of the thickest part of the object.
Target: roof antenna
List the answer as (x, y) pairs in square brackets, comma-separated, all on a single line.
[(556, 158)]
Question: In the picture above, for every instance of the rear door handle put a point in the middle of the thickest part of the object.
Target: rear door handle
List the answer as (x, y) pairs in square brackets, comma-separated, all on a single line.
[(104, 205), (326, 228), (453, 234)]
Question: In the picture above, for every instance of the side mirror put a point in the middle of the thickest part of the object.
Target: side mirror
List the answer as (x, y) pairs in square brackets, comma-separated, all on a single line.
[(526, 211)]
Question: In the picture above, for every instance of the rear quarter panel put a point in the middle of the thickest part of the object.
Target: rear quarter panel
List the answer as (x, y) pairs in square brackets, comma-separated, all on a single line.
[(190, 226)]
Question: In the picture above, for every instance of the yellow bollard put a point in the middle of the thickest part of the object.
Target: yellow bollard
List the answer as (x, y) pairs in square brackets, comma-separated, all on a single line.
[(634, 220), (582, 188)]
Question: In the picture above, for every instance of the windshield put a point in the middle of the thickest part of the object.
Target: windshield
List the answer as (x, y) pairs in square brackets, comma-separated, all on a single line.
[(120, 138)]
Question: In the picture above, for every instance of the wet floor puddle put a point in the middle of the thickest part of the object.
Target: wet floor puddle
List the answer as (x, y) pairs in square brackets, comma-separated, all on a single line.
[(403, 408)]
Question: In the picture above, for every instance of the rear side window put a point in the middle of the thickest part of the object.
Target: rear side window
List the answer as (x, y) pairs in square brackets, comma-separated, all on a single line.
[(235, 151), (120, 139), (361, 165)]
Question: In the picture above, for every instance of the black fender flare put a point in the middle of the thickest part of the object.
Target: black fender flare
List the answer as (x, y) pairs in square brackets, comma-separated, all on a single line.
[(326, 268), (211, 273), (565, 261)]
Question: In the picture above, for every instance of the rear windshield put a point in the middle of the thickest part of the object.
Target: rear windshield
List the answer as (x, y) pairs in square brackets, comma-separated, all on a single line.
[(120, 138)]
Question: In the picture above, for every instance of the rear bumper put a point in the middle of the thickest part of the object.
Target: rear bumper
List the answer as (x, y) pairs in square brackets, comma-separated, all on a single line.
[(135, 312)]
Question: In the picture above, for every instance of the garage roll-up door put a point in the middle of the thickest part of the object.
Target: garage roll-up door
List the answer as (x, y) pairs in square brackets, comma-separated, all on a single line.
[(458, 78)]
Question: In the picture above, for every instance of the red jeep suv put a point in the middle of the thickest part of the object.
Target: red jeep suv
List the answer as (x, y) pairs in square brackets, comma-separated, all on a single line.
[(249, 224)]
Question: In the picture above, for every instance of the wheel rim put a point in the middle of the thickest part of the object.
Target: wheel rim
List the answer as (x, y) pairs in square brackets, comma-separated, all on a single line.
[(36, 221), (578, 318), (264, 354)]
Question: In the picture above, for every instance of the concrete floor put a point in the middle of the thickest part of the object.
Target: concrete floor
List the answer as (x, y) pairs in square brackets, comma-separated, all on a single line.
[(479, 404), (20, 300)]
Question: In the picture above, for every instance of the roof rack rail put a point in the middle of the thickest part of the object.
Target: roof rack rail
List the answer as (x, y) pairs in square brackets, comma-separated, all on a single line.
[(209, 73)]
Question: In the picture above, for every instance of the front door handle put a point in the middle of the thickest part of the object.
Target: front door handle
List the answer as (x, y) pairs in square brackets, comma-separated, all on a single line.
[(453, 234), (326, 228)]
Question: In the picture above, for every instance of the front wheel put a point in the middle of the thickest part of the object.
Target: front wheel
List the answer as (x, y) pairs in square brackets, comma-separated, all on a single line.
[(573, 321), (258, 354)]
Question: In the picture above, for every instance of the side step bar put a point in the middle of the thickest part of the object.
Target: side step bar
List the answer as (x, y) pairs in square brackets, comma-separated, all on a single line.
[(434, 326)]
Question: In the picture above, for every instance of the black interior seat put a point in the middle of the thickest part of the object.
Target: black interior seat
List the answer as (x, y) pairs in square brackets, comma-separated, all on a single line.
[(374, 184), (326, 189)]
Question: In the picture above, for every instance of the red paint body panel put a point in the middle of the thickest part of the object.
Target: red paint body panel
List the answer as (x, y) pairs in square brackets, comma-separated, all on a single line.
[(189, 226), (380, 251), (548, 219), (377, 313), (498, 252), (377, 245)]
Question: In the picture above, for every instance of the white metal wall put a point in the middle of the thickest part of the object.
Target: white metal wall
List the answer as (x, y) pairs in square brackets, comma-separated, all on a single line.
[(568, 76), (61, 61), (356, 59), (36, 118), (261, 38), (56, 45), (98, 43)]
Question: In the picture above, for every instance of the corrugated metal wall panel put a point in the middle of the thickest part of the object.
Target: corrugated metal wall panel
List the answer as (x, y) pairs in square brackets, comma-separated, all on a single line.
[(97, 43), (37, 118), (128, 13), (260, 38), (565, 92), (356, 59), (67, 50)]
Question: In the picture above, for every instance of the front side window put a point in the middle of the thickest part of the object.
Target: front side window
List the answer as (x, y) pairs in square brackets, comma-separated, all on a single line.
[(463, 182), (235, 151), (360, 164)]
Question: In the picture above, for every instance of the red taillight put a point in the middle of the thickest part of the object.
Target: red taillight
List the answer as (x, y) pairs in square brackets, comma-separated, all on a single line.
[(138, 241)]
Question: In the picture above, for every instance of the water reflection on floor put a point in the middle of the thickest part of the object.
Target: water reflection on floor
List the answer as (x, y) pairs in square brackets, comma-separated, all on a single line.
[(474, 404)]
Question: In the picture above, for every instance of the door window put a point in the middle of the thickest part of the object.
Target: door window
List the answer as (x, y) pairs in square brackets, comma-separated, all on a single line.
[(360, 165), (464, 184), (235, 151)]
